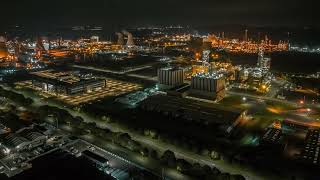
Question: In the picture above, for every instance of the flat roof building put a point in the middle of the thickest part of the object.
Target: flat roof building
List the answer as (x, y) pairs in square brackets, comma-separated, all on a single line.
[(14, 141), (310, 153), (271, 136), (170, 77), (191, 110), (67, 82), (208, 86), (23, 139)]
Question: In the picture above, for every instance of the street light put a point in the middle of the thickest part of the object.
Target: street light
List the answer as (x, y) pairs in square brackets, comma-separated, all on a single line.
[(244, 98), (264, 87)]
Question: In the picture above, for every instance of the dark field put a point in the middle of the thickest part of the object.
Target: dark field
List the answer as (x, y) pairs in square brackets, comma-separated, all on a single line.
[(284, 62)]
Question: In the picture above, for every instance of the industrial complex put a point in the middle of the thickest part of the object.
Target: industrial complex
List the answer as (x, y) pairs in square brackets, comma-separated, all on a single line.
[(191, 110), (67, 83)]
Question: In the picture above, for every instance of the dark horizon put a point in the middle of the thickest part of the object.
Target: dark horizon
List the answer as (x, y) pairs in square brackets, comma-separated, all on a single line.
[(111, 13)]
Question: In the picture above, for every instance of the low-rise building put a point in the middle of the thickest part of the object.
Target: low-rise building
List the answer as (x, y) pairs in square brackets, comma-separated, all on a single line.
[(190, 110), (310, 153), (97, 159), (263, 61), (35, 138), (271, 136), (170, 77), (23, 139), (67, 82), (208, 86)]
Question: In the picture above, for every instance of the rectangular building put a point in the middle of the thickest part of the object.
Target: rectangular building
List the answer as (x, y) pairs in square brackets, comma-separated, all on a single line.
[(170, 77), (97, 159), (263, 62), (311, 150), (190, 110), (208, 86), (68, 82)]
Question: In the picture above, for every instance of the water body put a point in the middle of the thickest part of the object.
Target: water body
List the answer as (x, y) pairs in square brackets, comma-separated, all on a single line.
[(292, 62)]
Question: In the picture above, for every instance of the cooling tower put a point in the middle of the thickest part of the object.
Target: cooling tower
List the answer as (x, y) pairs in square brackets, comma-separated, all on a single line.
[(120, 38), (130, 38)]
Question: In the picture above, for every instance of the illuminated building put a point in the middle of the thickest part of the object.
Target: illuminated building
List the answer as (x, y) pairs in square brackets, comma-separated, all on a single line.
[(200, 67), (246, 45), (205, 55), (3, 48), (170, 77), (208, 86), (263, 62), (227, 69), (40, 49), (241, 74), (67, 83), (94, 39)]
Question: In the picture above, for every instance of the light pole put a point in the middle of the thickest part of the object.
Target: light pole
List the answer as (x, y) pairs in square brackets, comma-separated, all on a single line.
[(57, 122)]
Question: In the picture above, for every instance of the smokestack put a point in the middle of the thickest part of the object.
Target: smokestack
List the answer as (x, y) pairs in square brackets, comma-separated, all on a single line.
[(246, 35), (120, 39), (17, 48)]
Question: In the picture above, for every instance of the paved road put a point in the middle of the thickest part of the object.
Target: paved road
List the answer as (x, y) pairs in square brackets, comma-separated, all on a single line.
[(99, 69), (172, 174), (224, 167), (260, 97), (120, 72), (119, 166)]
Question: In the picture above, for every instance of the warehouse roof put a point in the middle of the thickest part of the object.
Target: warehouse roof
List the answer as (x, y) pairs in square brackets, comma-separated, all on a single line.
[(192, 110)]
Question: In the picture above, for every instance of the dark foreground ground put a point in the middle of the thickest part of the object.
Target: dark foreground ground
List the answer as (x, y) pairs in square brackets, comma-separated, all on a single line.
[(60, 165)]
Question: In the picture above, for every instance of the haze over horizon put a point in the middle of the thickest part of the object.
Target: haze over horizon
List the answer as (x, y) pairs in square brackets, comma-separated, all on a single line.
[(110, 13)]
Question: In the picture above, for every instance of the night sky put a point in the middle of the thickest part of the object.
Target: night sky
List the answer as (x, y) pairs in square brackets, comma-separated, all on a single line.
[(141, 12)]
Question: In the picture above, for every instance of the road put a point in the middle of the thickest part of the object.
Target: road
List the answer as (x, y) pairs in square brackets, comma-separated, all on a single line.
[(126, 156), (171, 174), (260, 97), (99, 69), (155, 144), (118, 166), (154, 79)]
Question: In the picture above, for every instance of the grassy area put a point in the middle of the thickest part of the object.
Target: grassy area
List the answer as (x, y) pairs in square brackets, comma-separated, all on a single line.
[(232, 101), (280, 106)]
